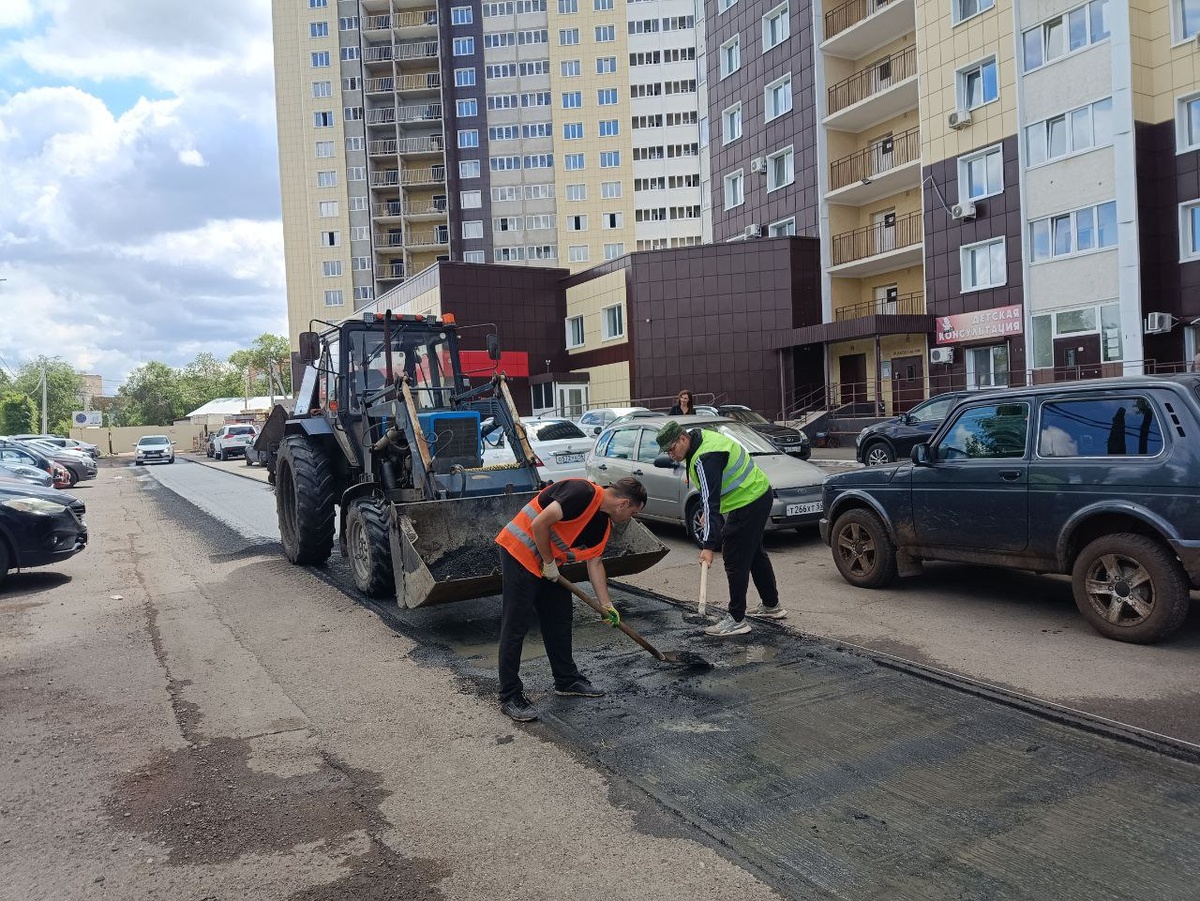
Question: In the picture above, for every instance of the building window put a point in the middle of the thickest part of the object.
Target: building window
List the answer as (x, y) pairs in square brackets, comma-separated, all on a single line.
[(324, 149), (468, 137), (1070, 234), (351, 83), (461, 15), (606, 34), (464, 78), (577, 223), (322, 88), (775, 27), (327, 208), (353, 144), (318, 29), (1187, 18), (575, 336), (980, 174), (601, 5), (331, 239), (323, 119), (568, 37), (468, 168), (320, 60), (781, 169), (610, 159), (350, 53), (464, 46), (577, 253), (327, 179), (360, 264), (570, 68), (352, 113), (978, 85), (474, 256), (1079, 130), (778, 98), (317, 4), (1189, 230), (466, 108), (734, 190), (731, 121), (731, 56), (606, 65), (1187, 123), (612, 251), (609, 128), (568, 7), (572, 100), (470, 200), (473, 229), (333, 298), (364, 292), (572, 131), (606, 97), (573, 161), (983, 265), (612, 321), (359, 233), (1065, 34), (611, 220), (576, 192), (358, 203), (966, 9), (610, 190), (356, 173), (723, 5), (331, 268), (782, 228)]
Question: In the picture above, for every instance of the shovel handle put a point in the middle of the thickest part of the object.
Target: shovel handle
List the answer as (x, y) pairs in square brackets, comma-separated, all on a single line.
[(703, 587), (595, 605)]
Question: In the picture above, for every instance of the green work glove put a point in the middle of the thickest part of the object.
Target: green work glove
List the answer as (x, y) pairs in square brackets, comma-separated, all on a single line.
[(612, 617)]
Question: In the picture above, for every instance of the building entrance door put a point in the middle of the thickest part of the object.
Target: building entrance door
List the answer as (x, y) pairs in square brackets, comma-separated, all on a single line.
[(908, 383)]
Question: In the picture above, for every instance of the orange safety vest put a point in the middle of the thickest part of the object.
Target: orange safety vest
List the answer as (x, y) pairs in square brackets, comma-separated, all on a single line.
[(517, 536)]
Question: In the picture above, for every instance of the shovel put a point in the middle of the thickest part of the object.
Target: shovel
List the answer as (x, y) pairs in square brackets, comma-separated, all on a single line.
[(676, 658), (700, 617)]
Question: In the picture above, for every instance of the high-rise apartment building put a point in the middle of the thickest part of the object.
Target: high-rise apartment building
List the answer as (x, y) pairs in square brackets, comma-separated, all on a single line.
[(536, 132)]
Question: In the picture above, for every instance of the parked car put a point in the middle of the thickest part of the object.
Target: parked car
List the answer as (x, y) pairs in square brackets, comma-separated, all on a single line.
[(38, 527), (153, 449), (12, 471), (1096, 479), (69, 443), (81, 466), (894, 439), (560, 446), (29, 455), (629, 448), (789, 441), (593, 422), (232, 440)]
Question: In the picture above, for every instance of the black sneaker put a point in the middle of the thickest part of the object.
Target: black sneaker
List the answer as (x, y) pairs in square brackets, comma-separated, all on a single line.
[(580, 688), (519, 709)]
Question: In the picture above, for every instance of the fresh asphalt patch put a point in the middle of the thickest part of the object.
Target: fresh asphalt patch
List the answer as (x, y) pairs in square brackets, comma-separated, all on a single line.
[(829, 772)]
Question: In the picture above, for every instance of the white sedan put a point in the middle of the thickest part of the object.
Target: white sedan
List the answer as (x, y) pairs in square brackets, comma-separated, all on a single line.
[(560, 445)]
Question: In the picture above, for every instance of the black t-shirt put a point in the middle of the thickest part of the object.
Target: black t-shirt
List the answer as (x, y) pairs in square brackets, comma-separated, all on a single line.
[(574, 496)]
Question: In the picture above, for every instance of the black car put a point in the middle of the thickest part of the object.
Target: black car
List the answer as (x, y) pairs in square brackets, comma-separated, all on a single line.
[(38, 527), (1097, 479), (894, 439), (787, 440)]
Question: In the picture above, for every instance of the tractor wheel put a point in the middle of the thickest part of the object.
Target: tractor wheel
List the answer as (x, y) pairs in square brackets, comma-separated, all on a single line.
[(370, 548), (304, 500)]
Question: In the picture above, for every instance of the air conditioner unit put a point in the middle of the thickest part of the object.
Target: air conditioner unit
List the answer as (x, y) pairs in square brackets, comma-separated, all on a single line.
[(1158, 323), (753, 230), (941, 355), (758, 164), (964, 210), (959, 119)]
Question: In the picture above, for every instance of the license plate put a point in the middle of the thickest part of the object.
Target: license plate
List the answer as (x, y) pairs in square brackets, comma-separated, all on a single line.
[(801, 509), (562, 459)]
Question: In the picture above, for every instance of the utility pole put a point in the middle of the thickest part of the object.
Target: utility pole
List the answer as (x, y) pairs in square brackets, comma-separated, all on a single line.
[(44, 432)]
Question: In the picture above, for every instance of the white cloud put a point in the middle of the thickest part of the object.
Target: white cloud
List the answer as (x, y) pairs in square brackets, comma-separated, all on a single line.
[(15, 13)]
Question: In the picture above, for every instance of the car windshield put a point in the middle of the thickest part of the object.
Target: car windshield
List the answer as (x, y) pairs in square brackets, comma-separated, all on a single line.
[(154, 441), (239, 430), (743, 435), (746, 416), (559, 430)]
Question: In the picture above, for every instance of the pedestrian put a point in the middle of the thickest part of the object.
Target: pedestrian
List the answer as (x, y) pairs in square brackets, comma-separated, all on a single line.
[(683, 405), (568, 522), (737, 499)]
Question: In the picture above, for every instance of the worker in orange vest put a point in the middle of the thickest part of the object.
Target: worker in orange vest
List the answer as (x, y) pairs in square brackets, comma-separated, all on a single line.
[(568, 522)]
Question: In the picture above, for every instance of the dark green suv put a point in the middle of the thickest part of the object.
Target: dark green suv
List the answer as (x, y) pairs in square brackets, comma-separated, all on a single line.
[(1098, 479)]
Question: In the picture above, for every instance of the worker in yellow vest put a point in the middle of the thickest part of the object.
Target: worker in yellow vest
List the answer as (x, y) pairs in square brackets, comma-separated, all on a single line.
[(568, 522), (736, 498)]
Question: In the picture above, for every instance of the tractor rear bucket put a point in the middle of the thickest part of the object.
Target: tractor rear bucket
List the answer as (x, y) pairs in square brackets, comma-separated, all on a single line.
[(444, 551)]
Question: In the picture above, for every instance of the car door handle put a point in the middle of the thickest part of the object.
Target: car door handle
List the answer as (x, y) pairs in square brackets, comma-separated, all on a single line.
[(637, 472), (602, 466), (1010, 475)]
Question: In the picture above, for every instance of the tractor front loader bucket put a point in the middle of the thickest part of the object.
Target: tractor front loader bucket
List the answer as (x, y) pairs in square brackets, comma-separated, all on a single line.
[(444, 551)]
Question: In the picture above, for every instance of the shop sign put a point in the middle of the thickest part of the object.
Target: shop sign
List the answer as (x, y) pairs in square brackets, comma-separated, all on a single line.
[(998, 322)]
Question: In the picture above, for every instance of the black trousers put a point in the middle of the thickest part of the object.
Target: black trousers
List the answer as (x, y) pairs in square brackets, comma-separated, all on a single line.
[(528, 597), (745, 557)]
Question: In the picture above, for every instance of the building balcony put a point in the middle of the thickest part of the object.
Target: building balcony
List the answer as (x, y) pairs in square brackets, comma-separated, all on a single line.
[(854, 29), (432, 144), (423, 81), (412, 18), (887, 167), (898, 305), (394, 209), (388, 239), (390, 271), (425, 112), (881, 91), (429, 238), (388, 178), (434, 175), (893, 243), (415, 51)]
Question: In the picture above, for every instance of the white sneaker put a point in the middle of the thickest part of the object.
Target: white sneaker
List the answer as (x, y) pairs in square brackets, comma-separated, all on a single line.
[(764, 612), (728, 626)]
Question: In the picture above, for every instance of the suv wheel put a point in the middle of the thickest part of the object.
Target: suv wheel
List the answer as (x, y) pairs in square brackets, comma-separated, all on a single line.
[(863, 551), (1131, 588), (878, 454)]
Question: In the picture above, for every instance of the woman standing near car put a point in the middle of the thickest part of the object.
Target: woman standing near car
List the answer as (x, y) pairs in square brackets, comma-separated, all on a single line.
[(683, 405)]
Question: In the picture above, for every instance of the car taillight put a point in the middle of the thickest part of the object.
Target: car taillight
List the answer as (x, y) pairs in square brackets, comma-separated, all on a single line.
[(537, 461)]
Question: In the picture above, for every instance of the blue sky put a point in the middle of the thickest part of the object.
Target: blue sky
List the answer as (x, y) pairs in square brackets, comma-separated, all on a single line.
[(139, 215)]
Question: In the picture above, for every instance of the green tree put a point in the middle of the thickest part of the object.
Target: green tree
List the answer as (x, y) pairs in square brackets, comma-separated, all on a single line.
[(205, 378), (268, 353), (64, 387), (17, 414), (152, 395)]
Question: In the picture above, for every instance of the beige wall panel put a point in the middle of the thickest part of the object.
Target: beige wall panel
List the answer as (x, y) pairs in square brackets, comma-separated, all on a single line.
[(1059, 284), (842, 143), (1070, 184), (1070, 82), (589, 299), (608, 385)]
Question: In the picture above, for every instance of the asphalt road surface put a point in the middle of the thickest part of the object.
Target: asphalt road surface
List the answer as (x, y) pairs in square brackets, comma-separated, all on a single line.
[(189, 716)]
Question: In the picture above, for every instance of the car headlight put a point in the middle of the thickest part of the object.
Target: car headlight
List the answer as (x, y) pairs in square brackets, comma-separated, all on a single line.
[(40, 506)]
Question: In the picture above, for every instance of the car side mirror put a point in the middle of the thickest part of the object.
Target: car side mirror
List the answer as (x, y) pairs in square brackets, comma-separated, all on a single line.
[(920, 455), (597, 430), (310, 348), (662, 461), (493, 347)]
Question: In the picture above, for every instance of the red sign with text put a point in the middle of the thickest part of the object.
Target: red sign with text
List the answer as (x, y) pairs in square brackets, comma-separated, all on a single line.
[(998, 322)]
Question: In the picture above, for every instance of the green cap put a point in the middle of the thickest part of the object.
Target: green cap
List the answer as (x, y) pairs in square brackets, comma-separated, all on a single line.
[(669, 434)]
